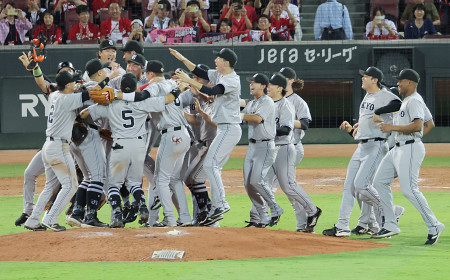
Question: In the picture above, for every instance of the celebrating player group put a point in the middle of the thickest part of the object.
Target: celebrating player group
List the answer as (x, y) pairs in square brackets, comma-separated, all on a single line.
[(104, 121)]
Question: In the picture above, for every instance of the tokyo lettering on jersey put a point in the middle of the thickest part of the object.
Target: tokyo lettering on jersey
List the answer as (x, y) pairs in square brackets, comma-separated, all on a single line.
[(367, 128)]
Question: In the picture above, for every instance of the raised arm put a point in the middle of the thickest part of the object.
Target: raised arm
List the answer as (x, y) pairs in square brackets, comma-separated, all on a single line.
[(180, 57)]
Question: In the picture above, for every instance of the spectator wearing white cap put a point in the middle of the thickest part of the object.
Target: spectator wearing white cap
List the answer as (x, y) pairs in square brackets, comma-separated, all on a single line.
[(137, 32)]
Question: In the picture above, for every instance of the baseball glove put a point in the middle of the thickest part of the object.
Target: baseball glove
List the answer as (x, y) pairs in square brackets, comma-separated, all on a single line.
[(105, 134), (129, 214), (79, 133), (103, 96)]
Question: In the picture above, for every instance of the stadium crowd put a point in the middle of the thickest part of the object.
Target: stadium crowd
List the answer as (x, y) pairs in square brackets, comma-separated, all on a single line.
[(92, 21)]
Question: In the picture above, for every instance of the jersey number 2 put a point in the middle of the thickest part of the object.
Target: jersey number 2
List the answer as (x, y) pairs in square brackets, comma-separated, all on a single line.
[(126, 116)]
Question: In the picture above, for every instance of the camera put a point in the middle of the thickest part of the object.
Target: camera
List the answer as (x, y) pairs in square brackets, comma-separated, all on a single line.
[(239, 7), (193, 9)]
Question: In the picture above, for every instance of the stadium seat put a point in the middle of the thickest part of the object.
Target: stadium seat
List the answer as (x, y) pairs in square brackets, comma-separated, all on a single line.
[(20, 4), (70, 20)]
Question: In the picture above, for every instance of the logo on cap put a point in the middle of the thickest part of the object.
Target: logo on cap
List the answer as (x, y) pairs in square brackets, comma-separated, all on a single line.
[(133, 57), (110, 42)]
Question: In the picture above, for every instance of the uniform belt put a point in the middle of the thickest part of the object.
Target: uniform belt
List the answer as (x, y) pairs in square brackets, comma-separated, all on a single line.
[(372, 140), (170, 129), (93, 126), (251, 140), (51, 138), (398, 144), (139, 137), (279, 145)]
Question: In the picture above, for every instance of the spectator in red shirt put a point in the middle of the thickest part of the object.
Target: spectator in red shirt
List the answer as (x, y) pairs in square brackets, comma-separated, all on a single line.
[(192, 16), (225, 25), (98, 5), (84, 30), (238, 16), (63, 6), (115, 28), (280, 26), (49, 29), (251, 14)]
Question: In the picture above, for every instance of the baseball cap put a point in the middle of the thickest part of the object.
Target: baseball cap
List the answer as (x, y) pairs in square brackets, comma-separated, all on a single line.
[(65, 64), (228, 55), (95, 65), (107, 44), (278, 79), (408, 74), (133, 45), (155, 66), (138, 59), (128, 82), (137, 21), (288, 72), (64, 78), (259, 78), (203, 74), (374, 72)]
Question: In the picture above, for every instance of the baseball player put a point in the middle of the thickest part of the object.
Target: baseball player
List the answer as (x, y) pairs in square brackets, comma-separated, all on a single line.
[(36, 166), (371, 149), (204, 131), (259, 113), (284, 167), (127, 120), (55, 152), (131, 48), (226, 92), (405, 160), (107, 53)]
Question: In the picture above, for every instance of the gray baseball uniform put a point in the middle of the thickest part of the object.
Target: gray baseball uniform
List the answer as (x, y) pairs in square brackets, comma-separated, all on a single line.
[(284, 167), (371, 149), (56, 157), (260, 157), (404, 161), (226, 115), (174, 144), (127, 121)]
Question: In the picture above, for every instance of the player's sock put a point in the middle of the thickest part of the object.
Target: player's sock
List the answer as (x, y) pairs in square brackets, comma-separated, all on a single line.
[(114, 198), (138, 195), (125, 196), (80, 199), (201, 195), (94, 194)]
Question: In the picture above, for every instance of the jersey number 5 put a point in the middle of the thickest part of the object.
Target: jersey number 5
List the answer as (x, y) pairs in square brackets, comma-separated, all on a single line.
[(127, 116)]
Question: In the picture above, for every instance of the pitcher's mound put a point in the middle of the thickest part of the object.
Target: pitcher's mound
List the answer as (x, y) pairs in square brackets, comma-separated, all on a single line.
[(199, 243)]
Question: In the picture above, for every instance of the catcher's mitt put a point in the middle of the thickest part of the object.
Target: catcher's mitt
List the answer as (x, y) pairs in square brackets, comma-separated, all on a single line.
[(105, 134), (103, 96), (79, 133)]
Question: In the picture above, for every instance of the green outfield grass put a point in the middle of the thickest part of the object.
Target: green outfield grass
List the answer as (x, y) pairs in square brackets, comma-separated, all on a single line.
[(406, 258), (16, 170)]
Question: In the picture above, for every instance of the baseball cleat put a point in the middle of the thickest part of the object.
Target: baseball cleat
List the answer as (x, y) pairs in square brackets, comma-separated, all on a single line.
[(251, 224), (312, 220), (383, 233), (74, 220), (144, 214), (93, 222), (398, 211), (219, 211), (359, 230), (156, 203), (38, 228), (274, 221), (55, 227), (116, 221), (200, 218), (337, 232), (433, 238), (209, 221), (304, 230), (21, 220)]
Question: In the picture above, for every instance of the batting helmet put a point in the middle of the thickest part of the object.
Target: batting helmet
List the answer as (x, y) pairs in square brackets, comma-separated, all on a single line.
[(64, 64)]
